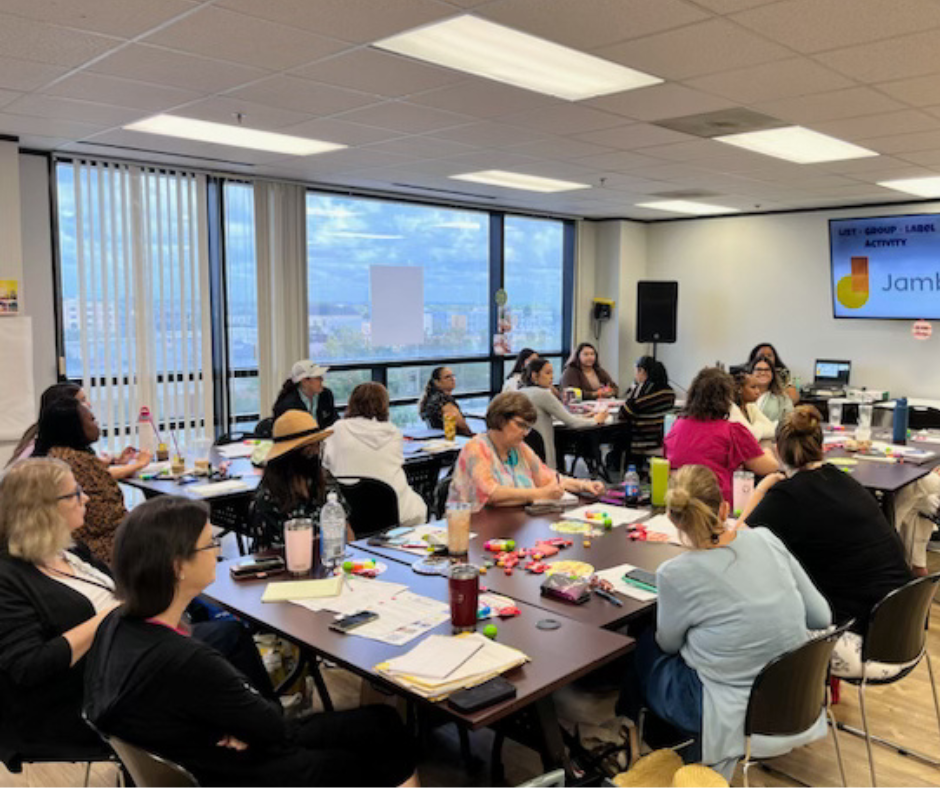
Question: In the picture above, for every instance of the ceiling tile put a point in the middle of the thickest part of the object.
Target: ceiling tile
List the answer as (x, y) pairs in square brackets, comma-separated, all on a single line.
[(359, 21), (341, 132), (565, 118), (634, 135), (781, 79), (302, 95), (695, 50), (919, 91), (927, 158), (405, 117), (222, 109), (177, 69), (562, 148), (27, 74), (905, 143), (483, 99), (589, 24), (881, 61), (143, 142), (23, 124), (811, 26), (616, 161), (659, 102), (69, 110), (490, 134), (225, 35), (833, 105), (884, 124), (423, 147), (730, 6), (123, 18), (9, 96), (122, 92), (379, 73), (29, 40)]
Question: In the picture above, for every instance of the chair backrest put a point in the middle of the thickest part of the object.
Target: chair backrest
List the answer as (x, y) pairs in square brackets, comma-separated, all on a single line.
[(440, 496), (536, 443), (373, 505), (235, 436), (790, 691), (149, 770), (264, 428), (423, 475), (897, 629)]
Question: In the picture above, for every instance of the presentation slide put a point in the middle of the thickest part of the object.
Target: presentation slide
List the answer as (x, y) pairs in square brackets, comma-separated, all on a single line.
[(886, 267)]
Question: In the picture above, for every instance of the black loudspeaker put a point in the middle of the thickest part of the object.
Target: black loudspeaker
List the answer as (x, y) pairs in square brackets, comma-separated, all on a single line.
[(656, 306)]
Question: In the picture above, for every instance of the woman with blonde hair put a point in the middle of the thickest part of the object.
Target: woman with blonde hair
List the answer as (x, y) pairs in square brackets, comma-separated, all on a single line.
[(732, 603)]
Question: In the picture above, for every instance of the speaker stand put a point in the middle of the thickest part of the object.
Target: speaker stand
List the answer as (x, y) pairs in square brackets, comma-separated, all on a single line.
[(654, 350)]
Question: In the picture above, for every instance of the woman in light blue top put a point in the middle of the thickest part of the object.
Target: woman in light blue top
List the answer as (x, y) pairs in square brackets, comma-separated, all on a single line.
[(726, 608)]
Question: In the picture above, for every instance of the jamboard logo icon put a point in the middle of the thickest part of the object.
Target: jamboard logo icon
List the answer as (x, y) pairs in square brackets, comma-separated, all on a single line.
[(852, 290)]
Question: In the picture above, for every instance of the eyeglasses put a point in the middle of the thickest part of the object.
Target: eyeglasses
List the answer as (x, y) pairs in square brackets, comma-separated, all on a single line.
[(77, 494), (522, 425), (214, 544)]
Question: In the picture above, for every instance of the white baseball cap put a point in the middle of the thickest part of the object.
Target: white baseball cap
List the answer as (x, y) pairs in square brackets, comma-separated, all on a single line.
[(306, 369)]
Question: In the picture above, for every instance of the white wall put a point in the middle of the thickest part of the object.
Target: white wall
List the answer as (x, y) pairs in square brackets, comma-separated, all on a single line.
[(766, 279)]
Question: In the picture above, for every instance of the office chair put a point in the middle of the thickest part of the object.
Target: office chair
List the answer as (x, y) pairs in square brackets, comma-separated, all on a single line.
[(440, 496), (149, 770), (373, 504), (423, 475), (896, 635), (92, 754), (536, 443)]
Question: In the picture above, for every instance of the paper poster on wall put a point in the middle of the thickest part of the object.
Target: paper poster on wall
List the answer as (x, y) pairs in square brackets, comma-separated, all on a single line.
[(9, 297), (17, 405), (397, 296)]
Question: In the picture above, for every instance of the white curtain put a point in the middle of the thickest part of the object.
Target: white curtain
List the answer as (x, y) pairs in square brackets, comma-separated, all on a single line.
[(137, 295), (281, 253)]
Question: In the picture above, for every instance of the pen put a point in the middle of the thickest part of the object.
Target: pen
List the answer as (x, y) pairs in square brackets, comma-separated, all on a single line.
[(639, 584), (609, 597)]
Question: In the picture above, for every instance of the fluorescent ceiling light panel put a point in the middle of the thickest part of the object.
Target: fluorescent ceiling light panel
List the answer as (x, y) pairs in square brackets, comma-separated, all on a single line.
[(687, 206), (235, 136), (922, 187), (798, 144), (486, 49), (517, 180)]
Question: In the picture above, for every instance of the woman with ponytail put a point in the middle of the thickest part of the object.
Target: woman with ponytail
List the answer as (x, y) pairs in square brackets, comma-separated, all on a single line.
[(438, 401), (732, 603)]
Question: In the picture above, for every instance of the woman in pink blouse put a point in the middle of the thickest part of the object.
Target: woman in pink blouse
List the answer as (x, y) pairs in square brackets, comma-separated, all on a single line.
[(497, 468), (704, 436)]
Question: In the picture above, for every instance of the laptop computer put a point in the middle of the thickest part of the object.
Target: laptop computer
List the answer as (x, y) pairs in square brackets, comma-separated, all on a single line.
[(830, 377)]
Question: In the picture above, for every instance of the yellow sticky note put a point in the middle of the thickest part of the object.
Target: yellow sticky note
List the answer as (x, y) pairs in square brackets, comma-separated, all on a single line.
[(303, 589)]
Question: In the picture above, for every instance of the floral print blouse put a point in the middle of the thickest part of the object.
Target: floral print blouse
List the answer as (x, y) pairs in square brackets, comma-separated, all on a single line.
[(479, 471)]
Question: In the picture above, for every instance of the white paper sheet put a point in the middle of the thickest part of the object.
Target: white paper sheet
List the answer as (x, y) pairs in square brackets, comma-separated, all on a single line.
[(661, 524), (219, 488), (397, 300), (233, 450), (435, 657), (614, 576), (618, 514)]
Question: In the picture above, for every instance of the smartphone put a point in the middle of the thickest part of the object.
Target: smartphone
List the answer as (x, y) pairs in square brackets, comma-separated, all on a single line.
[(348, 623), (467, 701), (257, 566), (642, 576)]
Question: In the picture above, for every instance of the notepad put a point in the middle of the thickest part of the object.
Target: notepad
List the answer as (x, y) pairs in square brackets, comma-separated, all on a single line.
[(303, 589), (435, 657), (219, 488)]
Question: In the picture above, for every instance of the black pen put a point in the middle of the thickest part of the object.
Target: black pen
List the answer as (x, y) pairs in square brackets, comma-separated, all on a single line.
[(608, 596)]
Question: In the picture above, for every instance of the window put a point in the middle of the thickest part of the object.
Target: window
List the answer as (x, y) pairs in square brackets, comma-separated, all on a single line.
[(349, 237)]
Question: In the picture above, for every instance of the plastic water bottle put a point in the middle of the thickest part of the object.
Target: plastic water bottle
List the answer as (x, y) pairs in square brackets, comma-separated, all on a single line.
[(631, 485), (899, 433), (146, 433), (332, 530)]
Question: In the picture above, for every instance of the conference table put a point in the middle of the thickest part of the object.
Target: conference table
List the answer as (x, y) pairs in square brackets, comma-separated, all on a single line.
[(557, 656)]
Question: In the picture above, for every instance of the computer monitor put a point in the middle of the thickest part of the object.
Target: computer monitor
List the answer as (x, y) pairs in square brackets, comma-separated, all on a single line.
[(832, 373)]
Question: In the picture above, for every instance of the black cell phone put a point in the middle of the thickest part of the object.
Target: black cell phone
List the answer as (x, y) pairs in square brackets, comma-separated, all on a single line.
[(642, 576), (257, 566), (467, 701), (353, 620)]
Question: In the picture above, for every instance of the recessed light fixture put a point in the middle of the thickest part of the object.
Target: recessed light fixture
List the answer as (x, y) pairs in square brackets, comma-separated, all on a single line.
[(517, 180), (235, 136), (687, 206), (922, 187), (486, 49), (798, 144)]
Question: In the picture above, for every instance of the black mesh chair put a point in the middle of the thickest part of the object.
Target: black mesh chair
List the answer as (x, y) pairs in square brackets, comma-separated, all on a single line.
[(440, 497), (235, 436), (423, 475), (896, 635), (264, 428), (536, 443), (790, 692), (373, 505)]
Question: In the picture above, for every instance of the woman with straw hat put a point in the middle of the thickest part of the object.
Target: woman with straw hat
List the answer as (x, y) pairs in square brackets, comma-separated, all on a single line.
[(294, 484)]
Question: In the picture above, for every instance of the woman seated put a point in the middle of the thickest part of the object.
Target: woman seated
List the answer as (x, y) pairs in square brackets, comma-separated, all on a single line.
[(497, 468), (648, 401), (438, 401), (53, 595), (727, 607), (744, 409), (832, 525), (773, 402), (295, 483), (770, 352), (365, 443), (584, 371), (149, 684), (537, 386), (703, 435), (514, 380), (67, 430), (304, 390)]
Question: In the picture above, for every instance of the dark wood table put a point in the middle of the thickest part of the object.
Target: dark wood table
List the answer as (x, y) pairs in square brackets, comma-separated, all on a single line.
[(558, 657), (611, 549)]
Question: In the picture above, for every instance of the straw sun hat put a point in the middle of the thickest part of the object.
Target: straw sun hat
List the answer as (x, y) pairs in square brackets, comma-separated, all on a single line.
[(293, 429)]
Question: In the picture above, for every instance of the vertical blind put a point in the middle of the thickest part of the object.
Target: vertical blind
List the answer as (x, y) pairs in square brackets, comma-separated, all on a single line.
[(139, 287)]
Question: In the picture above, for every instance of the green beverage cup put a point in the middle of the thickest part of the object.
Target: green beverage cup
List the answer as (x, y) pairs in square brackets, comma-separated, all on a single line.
[(659, 480)]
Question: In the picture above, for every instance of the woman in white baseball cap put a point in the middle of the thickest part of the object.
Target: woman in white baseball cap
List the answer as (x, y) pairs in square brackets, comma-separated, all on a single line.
[(304, 390)]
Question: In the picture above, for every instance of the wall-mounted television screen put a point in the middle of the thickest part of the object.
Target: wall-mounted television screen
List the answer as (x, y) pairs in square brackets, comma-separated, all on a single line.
[(886, 267)]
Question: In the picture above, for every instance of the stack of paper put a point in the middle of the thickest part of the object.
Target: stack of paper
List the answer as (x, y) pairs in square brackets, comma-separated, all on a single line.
[(219, 488), (618, 514), (441, 665), (303, 589)]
